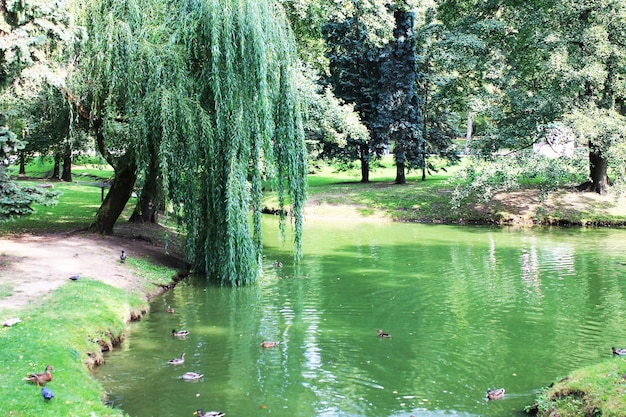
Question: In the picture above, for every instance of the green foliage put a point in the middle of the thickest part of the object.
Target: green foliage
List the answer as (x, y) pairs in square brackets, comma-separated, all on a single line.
[(332, 127), (36, 37), (356, 36), (545, 60), (400, 106), (480, 181), (17, 201), (77, 204), (202, 95)]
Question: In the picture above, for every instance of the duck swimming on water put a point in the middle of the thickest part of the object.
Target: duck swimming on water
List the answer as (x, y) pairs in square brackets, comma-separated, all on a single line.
[(201, 413), (267, 344), (177, 361), (191, 376), (383, 334), (495, 394)]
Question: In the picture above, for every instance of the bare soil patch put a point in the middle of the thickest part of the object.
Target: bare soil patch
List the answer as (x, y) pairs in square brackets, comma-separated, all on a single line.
[(32, 266)]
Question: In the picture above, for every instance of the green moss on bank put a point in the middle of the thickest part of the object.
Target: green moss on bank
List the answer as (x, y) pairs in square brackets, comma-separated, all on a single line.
[(593, 391), (65, 330)]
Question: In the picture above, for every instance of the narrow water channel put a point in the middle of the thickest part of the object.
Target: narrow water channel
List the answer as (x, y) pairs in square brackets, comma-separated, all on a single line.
[(467, 308)]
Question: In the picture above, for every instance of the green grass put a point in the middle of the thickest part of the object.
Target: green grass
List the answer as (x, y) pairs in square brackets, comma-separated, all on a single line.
[(593, 391), (152, 274), (60, 330), (83, 169), (76, 209)]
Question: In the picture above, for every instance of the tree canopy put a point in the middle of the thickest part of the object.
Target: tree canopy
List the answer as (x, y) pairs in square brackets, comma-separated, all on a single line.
[(200, 97), (36, 39)]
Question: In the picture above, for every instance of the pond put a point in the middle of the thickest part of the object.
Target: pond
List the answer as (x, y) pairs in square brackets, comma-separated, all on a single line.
[(467, 308)]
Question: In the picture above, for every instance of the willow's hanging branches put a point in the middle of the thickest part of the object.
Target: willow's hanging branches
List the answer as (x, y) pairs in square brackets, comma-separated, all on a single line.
[(203, 91)]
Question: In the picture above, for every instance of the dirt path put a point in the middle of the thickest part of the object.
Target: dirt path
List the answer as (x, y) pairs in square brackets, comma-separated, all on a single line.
[(32, 266)]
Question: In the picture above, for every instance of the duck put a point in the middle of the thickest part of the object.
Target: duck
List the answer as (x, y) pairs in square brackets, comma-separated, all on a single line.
[(277, 264), (177, 361), (191, 376), (42, 378), (267, 344), (169, 309), (180, 333), (123, 257), (11, 322), (46, 393), (383, 334), (618, 352), (201, 413), (495, 394)]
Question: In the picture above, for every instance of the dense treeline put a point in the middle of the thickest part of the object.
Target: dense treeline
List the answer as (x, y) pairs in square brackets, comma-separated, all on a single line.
[(201, 104)]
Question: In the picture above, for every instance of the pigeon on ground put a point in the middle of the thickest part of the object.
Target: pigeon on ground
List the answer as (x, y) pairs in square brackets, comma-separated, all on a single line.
[(46, 393)]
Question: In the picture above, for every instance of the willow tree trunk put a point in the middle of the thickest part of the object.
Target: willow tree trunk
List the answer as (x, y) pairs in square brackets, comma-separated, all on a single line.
[(151, 197), (116, 199)]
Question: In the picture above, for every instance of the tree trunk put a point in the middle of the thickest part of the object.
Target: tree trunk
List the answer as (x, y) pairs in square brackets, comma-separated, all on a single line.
[(598, 172), (22, 163), (116, 199), (364, 156), (67, 164), (468, 132), (151, 197), (57, 165), (400, 174)]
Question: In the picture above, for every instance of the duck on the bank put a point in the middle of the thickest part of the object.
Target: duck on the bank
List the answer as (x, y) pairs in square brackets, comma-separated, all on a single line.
[(177, 361), (180, 333), (383, 334), (42, 378), (495, 394), (169, 309), (619, 352), (123, 257), (11, 322), (191, 376), (46, 393), (267, 344), (201, 413)]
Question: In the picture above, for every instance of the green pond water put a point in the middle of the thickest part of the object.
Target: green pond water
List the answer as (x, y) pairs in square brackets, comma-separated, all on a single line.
[(468, 308)]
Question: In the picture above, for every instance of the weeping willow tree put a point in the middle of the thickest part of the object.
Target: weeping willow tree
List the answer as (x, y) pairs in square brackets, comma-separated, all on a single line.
[(199, 97)]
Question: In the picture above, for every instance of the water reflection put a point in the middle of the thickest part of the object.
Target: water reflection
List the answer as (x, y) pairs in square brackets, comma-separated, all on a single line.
[(467, 308)]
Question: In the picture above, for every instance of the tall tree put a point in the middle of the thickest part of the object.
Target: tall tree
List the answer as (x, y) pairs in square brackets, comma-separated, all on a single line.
[(356, 36), (400, 106), (35, 39), (204, 92), (557, 58)]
